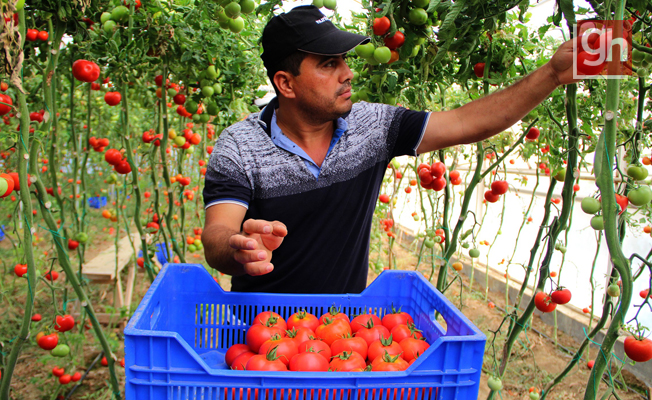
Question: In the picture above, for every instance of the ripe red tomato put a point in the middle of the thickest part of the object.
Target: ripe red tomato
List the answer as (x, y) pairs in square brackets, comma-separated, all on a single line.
[(499, 187), (395, 41), (265, 362), (437, 169), (585, 61), (122, 167), (20, 269), (6, 107), (179, 99), (561, 296), (31, 35), (43, 36), (402, 331), (34, 116), (543, 302), (234, 351), (257, 335), (381, 26), (639, 350), (309, 361), (302, 319), (622, 201), (51, 276), (64, 323), (478, 69), (269, 318), (533, 133), (389, 321), (112, 98), (48, 342), (644, 293), (284, 348), (384, 198), (85, 71), (301, 334), (333, 329), (491, 197), (413, 348), (58, 371), (372, 333), (389, 363), (334, 313), (113, 156), (72, 244), (384, 346), (438, 184), (350, 344), (240, 362), (316, 345), (75, 377), (347, 362), (362, 320), (64, 379)]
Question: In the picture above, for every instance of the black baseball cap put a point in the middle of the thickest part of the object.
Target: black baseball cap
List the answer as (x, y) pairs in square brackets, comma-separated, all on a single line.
[(304, 28)]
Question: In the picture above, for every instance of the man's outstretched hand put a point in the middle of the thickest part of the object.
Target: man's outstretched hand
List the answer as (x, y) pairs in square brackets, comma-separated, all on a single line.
[(562, 63), (255, 245)]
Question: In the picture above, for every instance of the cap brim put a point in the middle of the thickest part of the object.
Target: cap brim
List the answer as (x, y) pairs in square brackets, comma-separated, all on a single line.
[(335, 43)]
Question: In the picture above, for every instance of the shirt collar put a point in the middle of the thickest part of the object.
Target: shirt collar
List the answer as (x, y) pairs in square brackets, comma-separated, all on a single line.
[(265, 119)]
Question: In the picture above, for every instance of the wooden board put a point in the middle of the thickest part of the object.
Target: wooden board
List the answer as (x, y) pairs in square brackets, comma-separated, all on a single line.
[(103, 266)]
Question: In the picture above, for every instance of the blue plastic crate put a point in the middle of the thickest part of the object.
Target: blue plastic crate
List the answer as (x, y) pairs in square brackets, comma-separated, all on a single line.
[(161, 254), (176, 340), (97, 201)]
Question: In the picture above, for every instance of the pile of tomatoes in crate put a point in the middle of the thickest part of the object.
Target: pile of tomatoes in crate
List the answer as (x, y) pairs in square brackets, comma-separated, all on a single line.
[(332, 342)]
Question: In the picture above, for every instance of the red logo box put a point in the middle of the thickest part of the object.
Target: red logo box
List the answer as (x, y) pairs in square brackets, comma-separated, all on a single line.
[(602, 49)]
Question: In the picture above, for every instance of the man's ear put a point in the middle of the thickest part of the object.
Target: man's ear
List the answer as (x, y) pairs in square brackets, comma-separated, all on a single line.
[(284, 82)]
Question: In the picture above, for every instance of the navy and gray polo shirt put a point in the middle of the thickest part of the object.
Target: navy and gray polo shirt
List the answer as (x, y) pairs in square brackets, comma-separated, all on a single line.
[(328, 211)]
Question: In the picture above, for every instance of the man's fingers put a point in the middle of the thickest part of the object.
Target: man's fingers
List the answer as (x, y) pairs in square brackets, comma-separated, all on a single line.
[(241, 242), (279, 229), (248, 256), (259, 226), (258, 268)]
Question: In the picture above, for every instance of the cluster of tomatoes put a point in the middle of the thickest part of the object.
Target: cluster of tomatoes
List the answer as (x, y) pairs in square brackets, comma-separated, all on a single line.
[(498, 188), (32, 35), (98, 144), (119, 162), (432, 176), (8, 183), (332, 342)]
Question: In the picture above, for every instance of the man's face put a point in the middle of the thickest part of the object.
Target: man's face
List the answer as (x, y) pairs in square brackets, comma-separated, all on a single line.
[(323, 87)]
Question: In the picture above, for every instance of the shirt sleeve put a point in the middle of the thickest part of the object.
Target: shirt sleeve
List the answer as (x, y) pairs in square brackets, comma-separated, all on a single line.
[(407, 130), (226, 178)]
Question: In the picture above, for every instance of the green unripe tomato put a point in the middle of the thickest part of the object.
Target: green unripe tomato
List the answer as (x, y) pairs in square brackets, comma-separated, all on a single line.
[(205, 82), (363, 95), (20, 4), (172, 92), (207, 91), (109, 26), (643, 72), (247, 6), (637, 172), (437, 239), (199, 245), (637, 56), (560, 176), (597, 223), (196, 118), (211, 72), (640, 196), (495, 384), (590, 205), (429, 243), (232, 10), (382, 54), (318, 3), (61, 350), (190, 150), (222, 17), (372, 61), (106, 16), (3, 185), (415, 51), (81, 237), (120, 14), (217, 88), (416, 217), (330, 4), (613, 290), (212, 109), (365, 50), (191, 106), (474, 253), (534, 396), (180, 141), (354, 98), (562, 249), (192, 248), (465, 245), (376, 79), (397, 164), (236, 25), (418, 16), (204, 118)]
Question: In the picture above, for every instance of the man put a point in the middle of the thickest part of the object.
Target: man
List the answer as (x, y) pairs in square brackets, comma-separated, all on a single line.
[(298, 182)]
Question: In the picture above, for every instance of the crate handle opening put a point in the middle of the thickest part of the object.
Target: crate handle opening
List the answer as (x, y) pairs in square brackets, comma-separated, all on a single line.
[(155, 315)]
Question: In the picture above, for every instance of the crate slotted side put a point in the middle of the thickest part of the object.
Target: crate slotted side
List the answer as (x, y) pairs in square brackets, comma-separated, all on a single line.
[(176, 340)]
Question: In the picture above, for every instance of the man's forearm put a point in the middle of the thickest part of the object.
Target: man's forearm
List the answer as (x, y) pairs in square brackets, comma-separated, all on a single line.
[(493, 114), (218, 253)]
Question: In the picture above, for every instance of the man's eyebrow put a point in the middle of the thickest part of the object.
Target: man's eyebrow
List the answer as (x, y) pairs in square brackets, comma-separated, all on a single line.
[(328, 58)]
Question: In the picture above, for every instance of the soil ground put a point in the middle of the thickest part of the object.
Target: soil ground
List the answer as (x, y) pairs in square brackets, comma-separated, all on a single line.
[(535, 359)]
